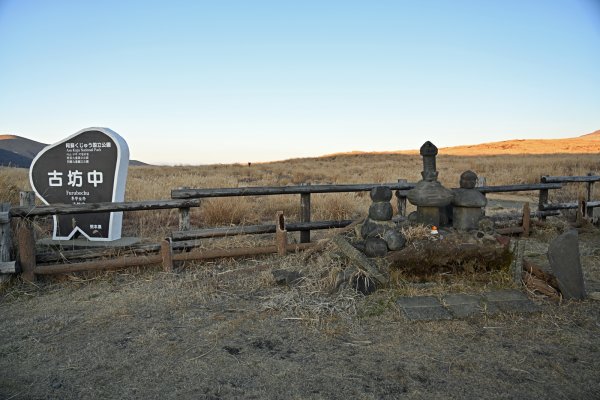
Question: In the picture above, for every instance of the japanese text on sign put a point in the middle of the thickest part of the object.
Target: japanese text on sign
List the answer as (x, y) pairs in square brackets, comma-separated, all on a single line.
[(75, 178)]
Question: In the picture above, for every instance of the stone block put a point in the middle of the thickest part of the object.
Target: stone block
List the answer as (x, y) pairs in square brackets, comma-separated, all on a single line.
[(466, 218)]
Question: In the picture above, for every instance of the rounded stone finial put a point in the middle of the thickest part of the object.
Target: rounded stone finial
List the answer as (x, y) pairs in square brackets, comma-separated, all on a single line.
[(468, 180), (428, 149)]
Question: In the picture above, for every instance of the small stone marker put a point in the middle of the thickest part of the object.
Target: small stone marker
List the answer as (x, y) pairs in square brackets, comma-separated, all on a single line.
[(87, 167), (563, 254)]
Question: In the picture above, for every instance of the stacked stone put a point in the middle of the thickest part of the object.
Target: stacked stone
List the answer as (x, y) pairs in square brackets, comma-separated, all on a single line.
[(468, 203), (378, 230)]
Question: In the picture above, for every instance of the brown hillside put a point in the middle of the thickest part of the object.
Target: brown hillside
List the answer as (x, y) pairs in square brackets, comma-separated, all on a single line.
[(585, 144)]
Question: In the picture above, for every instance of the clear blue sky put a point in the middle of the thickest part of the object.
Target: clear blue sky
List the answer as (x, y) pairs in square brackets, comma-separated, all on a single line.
[(197, 82)]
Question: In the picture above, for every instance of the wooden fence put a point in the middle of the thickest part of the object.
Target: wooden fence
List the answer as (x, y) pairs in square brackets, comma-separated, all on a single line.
[(31, 263)]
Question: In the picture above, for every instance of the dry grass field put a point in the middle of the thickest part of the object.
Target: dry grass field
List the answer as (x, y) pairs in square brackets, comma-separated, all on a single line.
[(156, 182), (224, 329)]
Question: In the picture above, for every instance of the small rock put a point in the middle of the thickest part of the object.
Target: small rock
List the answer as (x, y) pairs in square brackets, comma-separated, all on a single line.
[(286, 277), (381, 211), (381, 193), (394, 239), (56, 385), (376, 247)]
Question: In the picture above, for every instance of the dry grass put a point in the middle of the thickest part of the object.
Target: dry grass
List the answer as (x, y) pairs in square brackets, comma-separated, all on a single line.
[(145, 183)]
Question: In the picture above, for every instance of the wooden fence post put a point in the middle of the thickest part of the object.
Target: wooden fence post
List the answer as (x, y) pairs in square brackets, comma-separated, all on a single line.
[(305, 215), (27, 199), (26, 246), (481, 182), (166, 252), (580, 211), (280, 234), (401, 196), (184, 215), (543, 198), (6, 266), (590, 210), (526, 220), (26, 238)]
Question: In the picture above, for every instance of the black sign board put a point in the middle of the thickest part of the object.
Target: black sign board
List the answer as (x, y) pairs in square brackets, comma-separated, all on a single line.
[(87, 167)]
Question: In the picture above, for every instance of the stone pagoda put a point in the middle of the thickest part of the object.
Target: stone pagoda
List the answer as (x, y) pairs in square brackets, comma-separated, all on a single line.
[(429, 195)]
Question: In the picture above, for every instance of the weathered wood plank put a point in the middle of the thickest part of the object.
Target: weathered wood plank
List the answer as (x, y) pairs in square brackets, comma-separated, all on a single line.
[(256, 229), (569, 206), (123, 262), (276, 190), (57, 209), (570, 179), (83, 254), (518, 188), (359, 259)]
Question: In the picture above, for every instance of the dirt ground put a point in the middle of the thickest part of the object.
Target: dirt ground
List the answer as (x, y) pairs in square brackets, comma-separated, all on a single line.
[(224, 330)]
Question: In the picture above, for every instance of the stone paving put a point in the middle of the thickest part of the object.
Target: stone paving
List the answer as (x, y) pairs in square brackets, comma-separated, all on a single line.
[(430, 308)]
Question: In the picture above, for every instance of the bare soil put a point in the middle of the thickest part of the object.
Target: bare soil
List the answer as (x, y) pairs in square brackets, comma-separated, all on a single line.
[(225, 330)]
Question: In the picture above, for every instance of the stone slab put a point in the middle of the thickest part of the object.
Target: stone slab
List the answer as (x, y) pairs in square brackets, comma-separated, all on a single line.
[(83, 243), (423, 308), (418, 301), (516, 306), (427, 313), (563, 254), (463, 305), (505, 295)]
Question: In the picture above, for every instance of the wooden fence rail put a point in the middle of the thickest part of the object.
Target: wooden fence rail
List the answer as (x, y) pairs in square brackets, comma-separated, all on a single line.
[(589, 204), (58, 209), (186, 198)]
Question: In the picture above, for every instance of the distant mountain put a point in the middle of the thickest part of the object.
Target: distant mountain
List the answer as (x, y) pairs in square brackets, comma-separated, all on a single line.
[(10, 159), (584, 144), (19, 152), (22, 146)]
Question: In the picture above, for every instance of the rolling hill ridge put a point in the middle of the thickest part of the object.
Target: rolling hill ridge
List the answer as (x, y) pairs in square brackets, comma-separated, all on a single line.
[(17, 151)]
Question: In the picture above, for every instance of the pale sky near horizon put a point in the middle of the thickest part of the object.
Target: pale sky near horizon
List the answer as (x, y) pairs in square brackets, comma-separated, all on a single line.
[(202, 82)]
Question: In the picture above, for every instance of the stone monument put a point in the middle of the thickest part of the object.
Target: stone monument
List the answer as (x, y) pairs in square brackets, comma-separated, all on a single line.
[(467, 203), (429, 195), (87, 167)]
